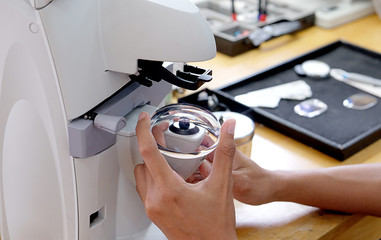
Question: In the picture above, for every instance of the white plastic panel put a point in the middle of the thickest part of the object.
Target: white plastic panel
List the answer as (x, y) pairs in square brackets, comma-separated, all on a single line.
[(32, 196), (97, 182), (37, 190), (161, 30), (90, 37), (72, 28), (41, 3)]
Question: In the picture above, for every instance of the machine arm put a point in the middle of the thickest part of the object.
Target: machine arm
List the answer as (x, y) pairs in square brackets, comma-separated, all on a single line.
[(191, 78)]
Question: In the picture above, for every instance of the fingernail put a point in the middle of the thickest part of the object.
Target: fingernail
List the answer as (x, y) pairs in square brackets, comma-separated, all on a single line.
[(141, 116), (231, 127)]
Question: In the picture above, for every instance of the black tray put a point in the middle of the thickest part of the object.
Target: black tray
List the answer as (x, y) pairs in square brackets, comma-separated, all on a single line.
[(339, 132)]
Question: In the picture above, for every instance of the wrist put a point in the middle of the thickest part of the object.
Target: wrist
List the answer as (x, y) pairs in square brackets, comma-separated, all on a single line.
[(273, 186), (282, 185)]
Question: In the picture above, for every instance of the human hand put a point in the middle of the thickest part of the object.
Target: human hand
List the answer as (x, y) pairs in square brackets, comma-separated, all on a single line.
[(204, 210), (251, 183), (158, 133)]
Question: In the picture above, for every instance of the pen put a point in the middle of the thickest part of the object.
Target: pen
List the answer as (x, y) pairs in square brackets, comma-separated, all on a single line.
[(259, 9), (234, 14), (262, 10)]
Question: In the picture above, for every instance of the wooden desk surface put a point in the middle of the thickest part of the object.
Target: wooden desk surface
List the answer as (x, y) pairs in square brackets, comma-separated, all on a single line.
[(272, 150)]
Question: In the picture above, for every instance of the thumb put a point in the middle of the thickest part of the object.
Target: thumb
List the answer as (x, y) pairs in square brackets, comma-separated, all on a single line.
[(224, 154)]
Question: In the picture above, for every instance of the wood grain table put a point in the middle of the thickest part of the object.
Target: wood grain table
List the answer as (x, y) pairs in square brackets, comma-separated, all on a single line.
[(272, 150)]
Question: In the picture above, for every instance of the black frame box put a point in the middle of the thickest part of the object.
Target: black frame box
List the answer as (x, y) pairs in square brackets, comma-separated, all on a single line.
[(232, 37)]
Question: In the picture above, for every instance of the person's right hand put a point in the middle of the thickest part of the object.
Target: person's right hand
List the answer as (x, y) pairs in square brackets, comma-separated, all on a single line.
[(204, 210)]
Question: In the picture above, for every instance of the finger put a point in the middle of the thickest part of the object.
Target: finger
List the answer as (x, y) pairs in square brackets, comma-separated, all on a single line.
[(224, 154), (207, 141), (141, 183), (205, 168), (158, 133), (195, 177), (154, 161), (210, 156), (239, 159)]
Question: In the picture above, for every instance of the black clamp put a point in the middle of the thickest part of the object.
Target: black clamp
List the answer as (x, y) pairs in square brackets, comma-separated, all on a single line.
[(191, 78)]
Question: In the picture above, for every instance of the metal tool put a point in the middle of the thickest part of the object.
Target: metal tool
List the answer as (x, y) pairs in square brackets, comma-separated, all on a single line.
[(341, 75)]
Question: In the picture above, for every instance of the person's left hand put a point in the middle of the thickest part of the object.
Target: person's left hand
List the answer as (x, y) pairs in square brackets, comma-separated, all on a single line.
[(204, 210), (251, 183)]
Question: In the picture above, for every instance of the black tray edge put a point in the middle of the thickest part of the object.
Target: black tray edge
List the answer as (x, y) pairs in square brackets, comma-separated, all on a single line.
[(338, 151), (326, 146)]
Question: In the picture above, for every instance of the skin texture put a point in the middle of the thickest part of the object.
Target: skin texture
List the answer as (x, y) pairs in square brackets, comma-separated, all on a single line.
[(182, 210), (351, 189), (202, 207)]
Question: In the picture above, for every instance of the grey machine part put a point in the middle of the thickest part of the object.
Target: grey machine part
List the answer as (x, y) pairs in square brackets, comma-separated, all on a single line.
[(96, 130), (85, 139)]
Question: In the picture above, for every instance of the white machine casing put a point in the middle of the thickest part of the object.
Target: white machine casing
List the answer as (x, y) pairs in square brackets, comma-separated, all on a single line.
[(60, 59)]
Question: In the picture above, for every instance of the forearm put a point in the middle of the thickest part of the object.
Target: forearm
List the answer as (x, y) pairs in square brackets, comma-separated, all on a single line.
[(354, 189)]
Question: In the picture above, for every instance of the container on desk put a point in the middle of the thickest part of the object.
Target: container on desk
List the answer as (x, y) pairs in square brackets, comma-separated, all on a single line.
[(244, 131)]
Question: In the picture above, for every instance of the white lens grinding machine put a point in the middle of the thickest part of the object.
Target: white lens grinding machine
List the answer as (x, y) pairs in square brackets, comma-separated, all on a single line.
[(74, 75)]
